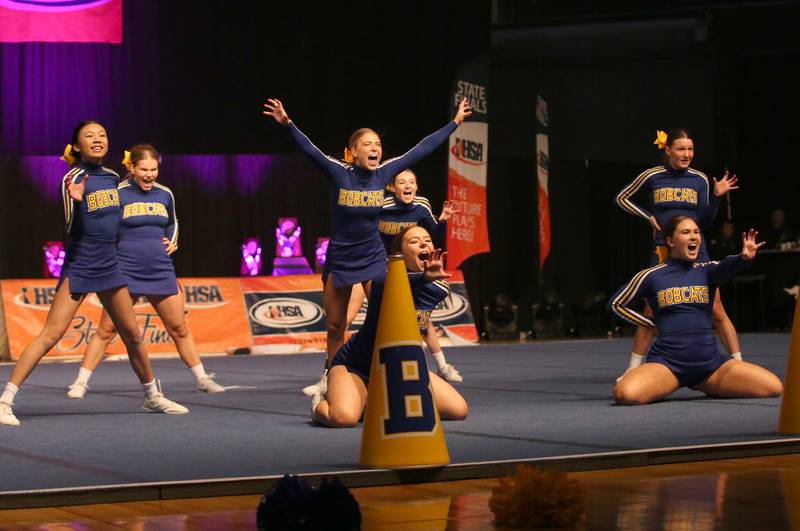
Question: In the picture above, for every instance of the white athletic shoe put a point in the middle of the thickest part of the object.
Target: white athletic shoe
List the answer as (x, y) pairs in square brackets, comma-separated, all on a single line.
[(315, 400), (208, 385), (7, 417), (77, 389), (158, 403), (320, 387), (450, 374)]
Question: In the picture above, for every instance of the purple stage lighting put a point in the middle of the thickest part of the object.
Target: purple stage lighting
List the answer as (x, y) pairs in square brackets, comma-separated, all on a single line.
[(251, 258), (321, 253), (53, 259), (287, 238), (289, 259)]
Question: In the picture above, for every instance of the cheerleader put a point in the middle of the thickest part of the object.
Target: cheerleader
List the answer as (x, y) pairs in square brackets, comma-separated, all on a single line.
[(91, 211), (675, 188), (356, 253), (148, 235), (404, 208), (681, 292), (342, 404)]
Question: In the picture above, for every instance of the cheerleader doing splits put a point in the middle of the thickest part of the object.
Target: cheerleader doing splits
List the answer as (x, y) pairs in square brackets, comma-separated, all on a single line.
[(348, 377), (148, 235), (685, 354), (91, 209)]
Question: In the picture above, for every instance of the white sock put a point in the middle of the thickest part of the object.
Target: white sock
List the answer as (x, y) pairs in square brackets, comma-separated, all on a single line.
[(9, 393), (438, 359), (737, 356), (635, 361), (199, 371), (84, 375), (150, 389)]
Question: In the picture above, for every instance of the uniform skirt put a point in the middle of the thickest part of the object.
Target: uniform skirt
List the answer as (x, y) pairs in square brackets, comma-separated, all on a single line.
[(692, 358), (355, 357), (146, 266), (91, 266), (354, 259)]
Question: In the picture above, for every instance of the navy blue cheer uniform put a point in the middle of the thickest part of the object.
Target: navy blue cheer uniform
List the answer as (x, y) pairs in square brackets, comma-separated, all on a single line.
[(356, 353), (356, 253), (681, 295), (672, 193), (92, 224), (146, 218), (397, 215)]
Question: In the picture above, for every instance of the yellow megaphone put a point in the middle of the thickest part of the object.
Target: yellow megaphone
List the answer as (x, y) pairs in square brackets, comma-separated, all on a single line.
[(402, 427), (789, 421)]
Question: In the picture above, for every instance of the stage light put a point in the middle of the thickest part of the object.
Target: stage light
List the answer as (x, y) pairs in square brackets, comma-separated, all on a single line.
[(289, 259), (251, 258), (287, 238), (321, 253), (53, 259)]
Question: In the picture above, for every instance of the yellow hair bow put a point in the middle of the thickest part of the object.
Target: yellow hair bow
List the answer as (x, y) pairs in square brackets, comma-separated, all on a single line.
[(68, 157), (126, 160), (348, 156), (661, 139)]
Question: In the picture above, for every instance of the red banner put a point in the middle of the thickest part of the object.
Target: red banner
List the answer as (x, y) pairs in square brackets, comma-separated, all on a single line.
[(543, 179), (467, 232), (61, 21), (543, 175)]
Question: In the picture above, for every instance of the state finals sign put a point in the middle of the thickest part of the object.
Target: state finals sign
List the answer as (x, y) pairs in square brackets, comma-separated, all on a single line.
[(467, 232)]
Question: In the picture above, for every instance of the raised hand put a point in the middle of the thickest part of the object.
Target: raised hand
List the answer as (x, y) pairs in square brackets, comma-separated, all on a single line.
[(726, 184), (448, 209), (169, 248), (463, 111), (76, 191), (275, 109), (433, 267), (749, 245)]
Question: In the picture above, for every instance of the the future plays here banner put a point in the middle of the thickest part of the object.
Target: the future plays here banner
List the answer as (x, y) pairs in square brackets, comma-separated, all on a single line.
[(61, 21), (467, 232)]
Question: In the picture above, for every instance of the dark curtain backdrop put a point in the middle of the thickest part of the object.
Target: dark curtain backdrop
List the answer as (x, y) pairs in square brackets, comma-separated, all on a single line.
[(191, 76), (727, 75)]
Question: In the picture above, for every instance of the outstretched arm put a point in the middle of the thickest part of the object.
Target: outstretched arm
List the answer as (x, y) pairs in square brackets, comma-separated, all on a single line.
[(274, 108), (731, 265), (707, 212), (394, 166)]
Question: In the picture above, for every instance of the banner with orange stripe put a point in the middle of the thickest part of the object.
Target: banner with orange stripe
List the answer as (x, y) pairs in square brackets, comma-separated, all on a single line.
[(467, 232)]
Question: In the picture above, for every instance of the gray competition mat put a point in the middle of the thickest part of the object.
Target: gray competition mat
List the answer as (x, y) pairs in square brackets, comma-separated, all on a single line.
[(526, 401)]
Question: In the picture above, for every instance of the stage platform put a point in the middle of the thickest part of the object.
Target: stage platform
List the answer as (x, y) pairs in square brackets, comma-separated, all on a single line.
[(548, 403)]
